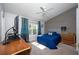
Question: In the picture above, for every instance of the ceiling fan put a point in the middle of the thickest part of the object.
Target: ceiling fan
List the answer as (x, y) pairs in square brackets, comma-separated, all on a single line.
[(44, 11)]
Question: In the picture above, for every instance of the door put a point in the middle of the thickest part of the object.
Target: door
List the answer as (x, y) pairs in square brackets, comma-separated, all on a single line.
[(33, 31)]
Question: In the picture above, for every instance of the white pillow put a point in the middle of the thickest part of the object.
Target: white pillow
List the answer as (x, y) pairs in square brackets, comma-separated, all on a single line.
[(49, 33)]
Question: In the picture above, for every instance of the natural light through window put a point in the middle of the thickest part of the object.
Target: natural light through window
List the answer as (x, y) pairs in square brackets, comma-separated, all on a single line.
[(33, 28), (40, 46)]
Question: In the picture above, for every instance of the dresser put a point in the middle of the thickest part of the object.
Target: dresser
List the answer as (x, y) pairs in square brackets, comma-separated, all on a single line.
[(69, 39)]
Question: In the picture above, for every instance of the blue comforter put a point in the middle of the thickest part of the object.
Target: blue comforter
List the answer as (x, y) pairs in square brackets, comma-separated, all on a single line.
[(51, 41)]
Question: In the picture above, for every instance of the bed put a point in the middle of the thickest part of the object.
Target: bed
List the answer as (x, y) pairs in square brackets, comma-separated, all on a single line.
[(50, 40)]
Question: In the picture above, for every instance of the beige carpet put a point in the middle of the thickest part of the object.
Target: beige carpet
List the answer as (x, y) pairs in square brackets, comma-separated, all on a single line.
[(63, 49)]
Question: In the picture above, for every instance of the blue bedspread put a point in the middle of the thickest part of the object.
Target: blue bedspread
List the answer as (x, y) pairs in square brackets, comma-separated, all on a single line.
[(51, 41)]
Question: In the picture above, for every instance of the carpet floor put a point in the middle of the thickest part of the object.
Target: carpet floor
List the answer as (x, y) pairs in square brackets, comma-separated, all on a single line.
[(63, 49)]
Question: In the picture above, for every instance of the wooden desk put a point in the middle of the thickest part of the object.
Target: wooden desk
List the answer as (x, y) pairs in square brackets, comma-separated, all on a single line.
[(15, 47)]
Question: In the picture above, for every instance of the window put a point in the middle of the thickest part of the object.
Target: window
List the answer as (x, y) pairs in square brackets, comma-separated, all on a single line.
[(33, 28)]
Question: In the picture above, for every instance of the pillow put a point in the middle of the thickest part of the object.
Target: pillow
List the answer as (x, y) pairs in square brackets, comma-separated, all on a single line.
[(40, 35), (49, 33)]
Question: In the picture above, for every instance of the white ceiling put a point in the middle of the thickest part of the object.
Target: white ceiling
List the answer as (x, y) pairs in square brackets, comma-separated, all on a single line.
[(29, 10)]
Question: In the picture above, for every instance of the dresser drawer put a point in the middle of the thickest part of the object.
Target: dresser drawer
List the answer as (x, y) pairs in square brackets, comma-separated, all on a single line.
[(68, 42), (68, 39)]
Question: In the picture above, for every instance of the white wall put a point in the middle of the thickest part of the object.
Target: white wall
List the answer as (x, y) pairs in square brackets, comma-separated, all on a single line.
[(6, 23), (2, 26), (9, 18), (77, 29), (0, 22), (67, 19)]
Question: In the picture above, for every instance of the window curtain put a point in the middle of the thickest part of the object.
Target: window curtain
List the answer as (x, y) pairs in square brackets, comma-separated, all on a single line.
[(24, 30), (39, 28)]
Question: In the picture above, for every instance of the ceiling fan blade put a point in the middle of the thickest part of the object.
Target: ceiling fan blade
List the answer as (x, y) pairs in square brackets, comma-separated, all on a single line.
[(42, 9)]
